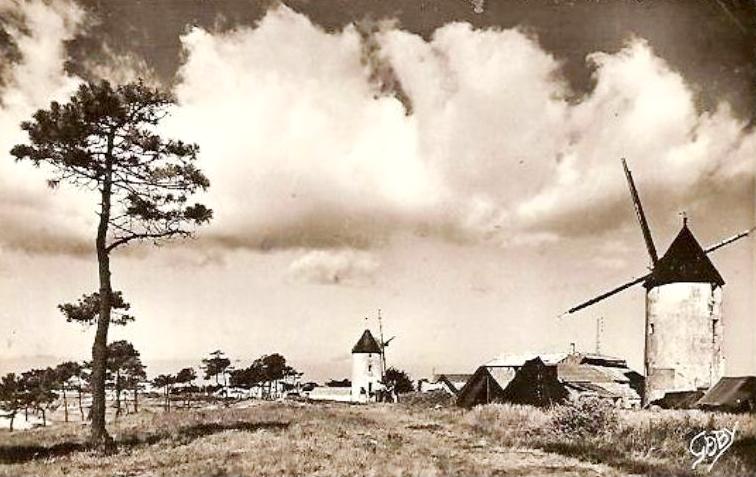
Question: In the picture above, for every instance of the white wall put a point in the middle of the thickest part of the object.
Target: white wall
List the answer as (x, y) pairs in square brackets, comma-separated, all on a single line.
[(367, 372), (684, 336)]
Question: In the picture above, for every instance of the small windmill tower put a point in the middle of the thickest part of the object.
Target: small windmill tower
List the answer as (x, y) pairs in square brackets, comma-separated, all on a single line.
[(684, 329), (367, 368)]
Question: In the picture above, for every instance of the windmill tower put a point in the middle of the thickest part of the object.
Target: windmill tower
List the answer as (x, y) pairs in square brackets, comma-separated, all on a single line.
[(684, 329), (367, 368)]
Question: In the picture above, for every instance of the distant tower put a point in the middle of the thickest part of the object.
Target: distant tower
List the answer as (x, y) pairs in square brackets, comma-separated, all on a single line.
[(684, 330), (367, 368)]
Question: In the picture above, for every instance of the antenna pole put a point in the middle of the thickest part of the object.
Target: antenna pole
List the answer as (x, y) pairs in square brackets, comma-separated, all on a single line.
[(599, 330), (383, 343)]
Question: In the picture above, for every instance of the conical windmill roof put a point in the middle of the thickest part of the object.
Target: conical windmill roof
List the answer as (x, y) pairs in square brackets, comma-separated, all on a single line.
[(366, 344), (684, 261)]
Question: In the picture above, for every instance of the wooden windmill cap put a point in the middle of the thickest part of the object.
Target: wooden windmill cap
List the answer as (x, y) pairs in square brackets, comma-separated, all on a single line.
[(366, 344), (684, 262)]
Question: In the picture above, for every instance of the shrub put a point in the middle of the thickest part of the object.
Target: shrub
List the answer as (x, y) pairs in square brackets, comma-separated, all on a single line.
[(509, 424), (430, 399), (584, 417)]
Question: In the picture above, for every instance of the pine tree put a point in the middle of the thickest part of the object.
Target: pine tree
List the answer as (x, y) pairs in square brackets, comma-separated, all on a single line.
[(105, 139)]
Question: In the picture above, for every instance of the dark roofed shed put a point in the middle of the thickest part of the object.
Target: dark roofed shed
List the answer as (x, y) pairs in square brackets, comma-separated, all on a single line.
[(731, 394)]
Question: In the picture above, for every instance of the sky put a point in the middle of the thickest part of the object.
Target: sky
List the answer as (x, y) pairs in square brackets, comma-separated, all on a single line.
[(455, 164)]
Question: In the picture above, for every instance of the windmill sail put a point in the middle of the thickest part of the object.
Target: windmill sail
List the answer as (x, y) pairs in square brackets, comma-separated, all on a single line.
[(635, 281), (641, 216), (728, 241), (606, 295)]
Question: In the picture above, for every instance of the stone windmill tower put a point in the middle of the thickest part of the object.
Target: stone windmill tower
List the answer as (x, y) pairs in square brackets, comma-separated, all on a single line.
[(684, 327)]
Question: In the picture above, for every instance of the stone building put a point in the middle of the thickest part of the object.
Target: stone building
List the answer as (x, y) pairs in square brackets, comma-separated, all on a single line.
[(684, 329)]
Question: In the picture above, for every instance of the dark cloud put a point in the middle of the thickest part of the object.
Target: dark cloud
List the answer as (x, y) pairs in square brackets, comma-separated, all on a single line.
[(703, 40)]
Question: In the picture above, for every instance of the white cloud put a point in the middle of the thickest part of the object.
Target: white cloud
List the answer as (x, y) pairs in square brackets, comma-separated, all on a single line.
[(304, 152), (33, 218), (335, 267)]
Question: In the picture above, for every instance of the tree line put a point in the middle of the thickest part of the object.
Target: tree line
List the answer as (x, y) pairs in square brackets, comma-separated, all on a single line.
[(41, 390), (38, 390)]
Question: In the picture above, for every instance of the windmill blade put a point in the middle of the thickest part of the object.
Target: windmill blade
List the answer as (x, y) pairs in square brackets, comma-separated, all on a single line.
[(641, 216), (386, 343), (614, 291), (728, 241), (605, 295)]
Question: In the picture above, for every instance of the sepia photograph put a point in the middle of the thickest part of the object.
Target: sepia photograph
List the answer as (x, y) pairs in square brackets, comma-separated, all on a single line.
[(245, 238)]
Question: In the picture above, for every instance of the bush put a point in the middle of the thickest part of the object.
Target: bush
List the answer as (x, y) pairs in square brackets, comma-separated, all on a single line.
[(430, 399), (584, 417)]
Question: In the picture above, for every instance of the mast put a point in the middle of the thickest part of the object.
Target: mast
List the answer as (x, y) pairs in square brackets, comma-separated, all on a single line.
[(383, 343), (599, 330)]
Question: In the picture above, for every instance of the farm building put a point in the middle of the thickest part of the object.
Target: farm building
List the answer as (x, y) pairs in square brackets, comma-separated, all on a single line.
[(449, 383), (547, 379), (731, 394)]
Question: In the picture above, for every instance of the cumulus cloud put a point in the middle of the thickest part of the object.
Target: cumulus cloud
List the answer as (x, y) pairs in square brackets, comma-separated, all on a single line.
[(33, 218), (318, 140), (334, 267), (303, 153)]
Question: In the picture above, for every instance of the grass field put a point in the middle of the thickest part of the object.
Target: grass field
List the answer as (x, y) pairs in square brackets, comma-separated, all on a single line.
[(291, 438)]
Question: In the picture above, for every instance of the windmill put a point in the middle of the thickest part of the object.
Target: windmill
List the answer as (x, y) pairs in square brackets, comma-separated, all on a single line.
[(684, 329)]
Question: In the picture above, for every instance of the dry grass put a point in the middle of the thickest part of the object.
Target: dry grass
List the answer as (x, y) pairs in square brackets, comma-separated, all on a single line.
[(269, 438), (285, 439), (640, 442)]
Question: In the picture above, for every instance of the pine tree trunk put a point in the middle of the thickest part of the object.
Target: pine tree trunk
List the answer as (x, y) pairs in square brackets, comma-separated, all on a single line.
[(118, 393), (44, 418), (65, 404), (13, 416), (136, 399), (99, 435), (81, 408)]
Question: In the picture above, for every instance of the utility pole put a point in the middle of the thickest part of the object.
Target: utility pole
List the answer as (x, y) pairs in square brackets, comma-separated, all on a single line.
[(599, 330)]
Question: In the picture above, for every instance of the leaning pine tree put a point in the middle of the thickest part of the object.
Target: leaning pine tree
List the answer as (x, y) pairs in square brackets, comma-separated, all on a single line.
[(105, 139)]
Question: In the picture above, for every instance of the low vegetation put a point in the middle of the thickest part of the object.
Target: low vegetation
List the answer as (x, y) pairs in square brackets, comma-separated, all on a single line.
[(638, 442), (416, 437)]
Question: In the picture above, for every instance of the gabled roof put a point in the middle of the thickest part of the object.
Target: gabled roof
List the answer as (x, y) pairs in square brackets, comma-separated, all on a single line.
[(730, 392), (684, 261), (455, 382), (455, 378), (366, 344)]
